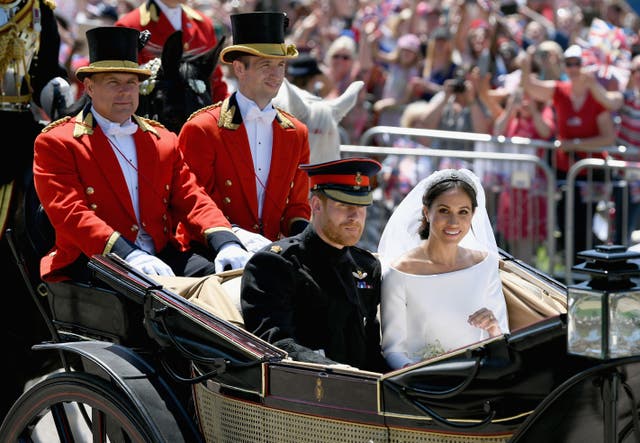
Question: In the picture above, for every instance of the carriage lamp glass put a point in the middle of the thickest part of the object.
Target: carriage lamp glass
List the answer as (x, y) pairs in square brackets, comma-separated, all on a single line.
[(603, 313), (602, 324)]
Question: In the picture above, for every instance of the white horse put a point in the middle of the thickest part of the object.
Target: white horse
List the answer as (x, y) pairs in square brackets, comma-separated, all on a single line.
[(322, 116)]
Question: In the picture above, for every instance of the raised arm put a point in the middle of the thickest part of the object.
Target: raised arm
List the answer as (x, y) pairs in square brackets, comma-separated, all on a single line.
[(539, 90), (612, 100)]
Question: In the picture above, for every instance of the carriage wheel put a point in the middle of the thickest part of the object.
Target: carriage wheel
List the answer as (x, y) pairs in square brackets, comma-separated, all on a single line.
[(75, 407)]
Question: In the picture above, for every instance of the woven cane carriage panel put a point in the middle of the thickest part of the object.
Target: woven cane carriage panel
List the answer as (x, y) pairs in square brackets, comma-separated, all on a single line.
[(408, 436), (226, 420)]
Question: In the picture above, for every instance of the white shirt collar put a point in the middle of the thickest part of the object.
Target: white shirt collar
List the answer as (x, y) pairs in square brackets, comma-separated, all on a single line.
[(174, 15), (105, 122), (245, 104)]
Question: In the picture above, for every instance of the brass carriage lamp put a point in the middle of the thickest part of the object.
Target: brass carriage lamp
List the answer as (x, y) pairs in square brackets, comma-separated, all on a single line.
[(604, 311)]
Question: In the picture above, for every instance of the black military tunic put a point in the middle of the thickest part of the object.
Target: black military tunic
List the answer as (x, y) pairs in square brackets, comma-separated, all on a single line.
[(304, 295)]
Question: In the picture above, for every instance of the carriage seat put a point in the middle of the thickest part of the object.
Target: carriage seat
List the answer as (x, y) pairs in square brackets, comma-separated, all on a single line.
[(91, 309), (528, 303)]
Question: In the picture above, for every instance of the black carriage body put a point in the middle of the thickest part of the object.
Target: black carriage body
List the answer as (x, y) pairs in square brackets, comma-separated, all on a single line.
[(519, 387)]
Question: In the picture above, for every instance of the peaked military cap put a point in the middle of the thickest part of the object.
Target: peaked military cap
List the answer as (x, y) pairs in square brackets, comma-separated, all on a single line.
[(347, 180)]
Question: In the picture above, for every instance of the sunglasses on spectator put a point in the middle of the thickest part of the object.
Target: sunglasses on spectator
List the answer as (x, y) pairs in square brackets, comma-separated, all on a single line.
[(572, 63), (341, 56)]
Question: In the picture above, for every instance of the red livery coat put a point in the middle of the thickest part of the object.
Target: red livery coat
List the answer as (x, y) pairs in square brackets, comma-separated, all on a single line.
[(84, 193), (215, 145), (198, 35)]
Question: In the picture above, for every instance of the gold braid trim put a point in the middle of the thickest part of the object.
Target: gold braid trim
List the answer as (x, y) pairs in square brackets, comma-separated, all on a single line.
[(11, 47), (204, 109), (6, 192)]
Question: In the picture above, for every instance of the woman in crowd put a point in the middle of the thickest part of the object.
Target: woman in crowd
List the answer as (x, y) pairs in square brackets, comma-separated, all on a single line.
[(522, 214), (441, 289), (439, 64)]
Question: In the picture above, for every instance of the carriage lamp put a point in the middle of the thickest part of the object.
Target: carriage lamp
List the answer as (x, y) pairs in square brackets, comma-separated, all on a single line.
[(604, 311)]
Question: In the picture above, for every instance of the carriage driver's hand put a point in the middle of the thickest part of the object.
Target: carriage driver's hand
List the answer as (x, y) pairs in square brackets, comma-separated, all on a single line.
[(251, 240), (231, 256), (147, 263)]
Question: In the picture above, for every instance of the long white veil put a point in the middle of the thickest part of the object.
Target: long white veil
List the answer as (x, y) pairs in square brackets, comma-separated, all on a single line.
[(401, 231)]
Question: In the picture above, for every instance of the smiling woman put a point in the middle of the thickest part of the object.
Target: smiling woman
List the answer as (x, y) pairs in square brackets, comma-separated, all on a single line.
[(443, 290)]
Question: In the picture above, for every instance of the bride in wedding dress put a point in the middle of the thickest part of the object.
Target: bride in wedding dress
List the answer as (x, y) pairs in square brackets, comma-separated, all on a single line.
[(441, 289)]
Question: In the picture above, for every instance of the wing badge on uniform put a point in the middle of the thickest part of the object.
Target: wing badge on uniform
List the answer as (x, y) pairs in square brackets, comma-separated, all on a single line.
[(359, 274)]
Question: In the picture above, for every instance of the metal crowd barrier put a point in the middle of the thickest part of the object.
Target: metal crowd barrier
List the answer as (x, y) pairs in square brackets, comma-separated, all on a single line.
[(549, 174), (390, 133), (572, 178)]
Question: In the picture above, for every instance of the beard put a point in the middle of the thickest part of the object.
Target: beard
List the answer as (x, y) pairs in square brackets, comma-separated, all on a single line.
[(347, 234)]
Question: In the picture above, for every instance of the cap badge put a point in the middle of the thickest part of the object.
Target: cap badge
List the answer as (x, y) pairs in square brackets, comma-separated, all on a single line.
[(358, 180), (276, 248)]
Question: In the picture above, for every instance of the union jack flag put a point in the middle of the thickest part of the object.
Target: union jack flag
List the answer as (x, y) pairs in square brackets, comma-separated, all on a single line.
[(607, 45)]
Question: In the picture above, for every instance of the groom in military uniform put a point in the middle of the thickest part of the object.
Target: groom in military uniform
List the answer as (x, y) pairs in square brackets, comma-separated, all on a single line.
[(316, 295)]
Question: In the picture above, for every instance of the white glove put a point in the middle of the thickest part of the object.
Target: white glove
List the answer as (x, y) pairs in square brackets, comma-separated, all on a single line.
[(55, 97), (148, 264), (252, 241), (231, 256)]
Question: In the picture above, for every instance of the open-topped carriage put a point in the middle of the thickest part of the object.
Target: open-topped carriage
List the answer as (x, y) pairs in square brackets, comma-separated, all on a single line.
[(141, 363)]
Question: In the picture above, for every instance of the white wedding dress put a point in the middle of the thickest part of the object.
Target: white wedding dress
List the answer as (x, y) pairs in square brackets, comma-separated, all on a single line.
[(426, 315)]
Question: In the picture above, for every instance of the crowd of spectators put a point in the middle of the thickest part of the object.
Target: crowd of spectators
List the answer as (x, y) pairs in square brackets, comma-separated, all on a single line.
[(448, 64)]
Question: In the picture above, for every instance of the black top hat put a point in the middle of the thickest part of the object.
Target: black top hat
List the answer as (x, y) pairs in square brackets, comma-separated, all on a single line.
[(302, 66), (113, 49), (347, 180), (260, 34)]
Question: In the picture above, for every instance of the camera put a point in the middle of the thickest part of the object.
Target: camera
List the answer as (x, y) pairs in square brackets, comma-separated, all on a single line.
[(458, 86), (509, 8), (459, 78)]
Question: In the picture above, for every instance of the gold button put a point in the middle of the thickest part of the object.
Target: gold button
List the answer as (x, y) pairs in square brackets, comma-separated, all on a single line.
[(144, 225), (94, 206), (165, 201), (228, 182), (256, 227), (90, 190), (164, 217), (281, 218), (165, 229), (226, 200), (286, 202), (291, 185), (134, 228), (166, 187)]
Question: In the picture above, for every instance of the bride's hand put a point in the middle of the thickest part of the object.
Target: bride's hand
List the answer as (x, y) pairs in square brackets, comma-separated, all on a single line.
[(484, 319)]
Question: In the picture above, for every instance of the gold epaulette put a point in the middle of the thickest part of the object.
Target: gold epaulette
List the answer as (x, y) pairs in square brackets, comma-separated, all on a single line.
[(58, 122), (283, 117), (206, 108), (50, 3), (191, 13), (152, 122)]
